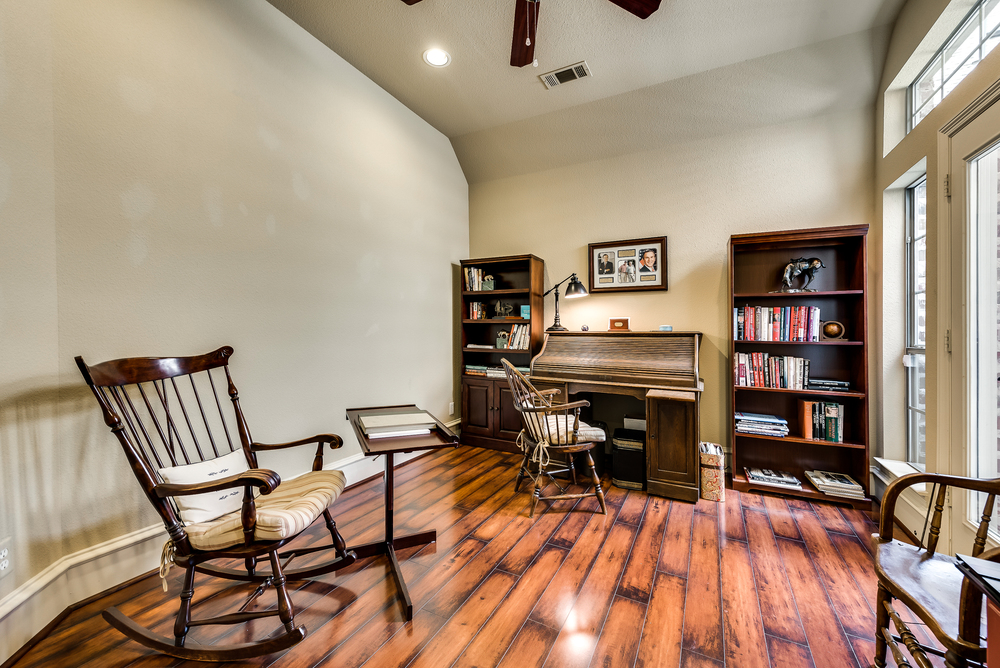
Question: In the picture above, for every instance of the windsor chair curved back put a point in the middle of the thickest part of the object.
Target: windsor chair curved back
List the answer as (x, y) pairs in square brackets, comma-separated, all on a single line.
[(552, 429), (197, 464), (927, 582)]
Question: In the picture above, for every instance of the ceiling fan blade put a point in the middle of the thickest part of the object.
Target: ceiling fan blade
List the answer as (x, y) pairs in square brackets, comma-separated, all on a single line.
[(641, 8), (525, 26), (411, 2)]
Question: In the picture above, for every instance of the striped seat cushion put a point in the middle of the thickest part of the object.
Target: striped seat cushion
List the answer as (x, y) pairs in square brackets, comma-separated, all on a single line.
[(283, 513), (558, 434)]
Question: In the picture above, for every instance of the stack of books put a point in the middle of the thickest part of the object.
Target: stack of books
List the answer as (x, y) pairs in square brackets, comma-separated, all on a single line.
[(826, 385), (759, 424), (836, 484), (414, 423), (491, 371), (771, 478)]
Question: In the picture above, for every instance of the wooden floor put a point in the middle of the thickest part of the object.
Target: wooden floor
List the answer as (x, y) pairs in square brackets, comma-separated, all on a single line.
[(756, 581)]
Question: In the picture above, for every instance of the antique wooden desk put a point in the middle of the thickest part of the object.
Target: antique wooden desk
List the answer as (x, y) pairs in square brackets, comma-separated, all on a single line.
[(659, 368), (441, 437)]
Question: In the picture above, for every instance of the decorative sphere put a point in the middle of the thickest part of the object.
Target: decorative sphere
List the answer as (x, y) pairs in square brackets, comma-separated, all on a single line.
[(585, 329), (833, 329)]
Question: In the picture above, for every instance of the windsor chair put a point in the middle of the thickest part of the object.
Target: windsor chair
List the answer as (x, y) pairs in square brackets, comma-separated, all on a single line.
[(551, 429), (927, 582), (197, 464)]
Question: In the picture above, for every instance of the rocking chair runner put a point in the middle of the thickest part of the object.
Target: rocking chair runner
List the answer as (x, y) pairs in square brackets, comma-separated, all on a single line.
[(551, 429), (928, 583), (169, 418)]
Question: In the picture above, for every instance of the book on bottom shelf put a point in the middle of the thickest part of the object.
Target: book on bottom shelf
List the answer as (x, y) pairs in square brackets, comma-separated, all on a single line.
[(836, 484), (772, 478)]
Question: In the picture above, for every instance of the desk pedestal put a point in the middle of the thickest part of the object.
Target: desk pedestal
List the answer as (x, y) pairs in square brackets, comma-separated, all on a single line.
[(392, 542)]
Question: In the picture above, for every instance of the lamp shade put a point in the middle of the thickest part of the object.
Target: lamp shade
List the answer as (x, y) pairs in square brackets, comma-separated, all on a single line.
[(575, 288)]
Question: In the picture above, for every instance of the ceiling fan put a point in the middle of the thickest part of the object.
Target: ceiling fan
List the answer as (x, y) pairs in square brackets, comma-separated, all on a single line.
[(522, 49)]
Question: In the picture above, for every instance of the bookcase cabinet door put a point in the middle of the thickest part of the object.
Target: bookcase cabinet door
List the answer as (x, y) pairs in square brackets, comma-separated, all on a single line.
[(477, 407), (507, 419)]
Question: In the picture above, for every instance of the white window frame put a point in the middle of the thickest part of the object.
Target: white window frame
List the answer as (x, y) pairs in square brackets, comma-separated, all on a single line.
[(914, 347)]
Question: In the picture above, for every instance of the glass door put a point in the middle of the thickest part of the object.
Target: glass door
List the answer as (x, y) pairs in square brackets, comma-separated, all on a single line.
[(975, 315)]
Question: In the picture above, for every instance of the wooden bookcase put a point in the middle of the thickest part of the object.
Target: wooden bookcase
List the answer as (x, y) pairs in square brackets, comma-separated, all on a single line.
[(488, 415), (756, 264)]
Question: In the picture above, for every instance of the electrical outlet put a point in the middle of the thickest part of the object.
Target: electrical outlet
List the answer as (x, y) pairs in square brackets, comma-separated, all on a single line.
[(5, 558), (451, 408)]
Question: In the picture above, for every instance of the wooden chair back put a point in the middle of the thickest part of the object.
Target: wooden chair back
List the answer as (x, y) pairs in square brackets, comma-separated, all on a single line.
[(536, 408), (170, 411)]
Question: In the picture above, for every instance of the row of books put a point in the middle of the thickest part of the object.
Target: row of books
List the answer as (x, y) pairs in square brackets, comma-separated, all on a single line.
[(520, 337), (477, 311), (827, 385), (776, 323), (761, 424), (839, 485), (776, 371), (822, 420), (474, 279), (491, 371)]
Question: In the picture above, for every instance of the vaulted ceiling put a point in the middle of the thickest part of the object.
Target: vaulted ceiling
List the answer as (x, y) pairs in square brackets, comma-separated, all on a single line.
[(693, 67)]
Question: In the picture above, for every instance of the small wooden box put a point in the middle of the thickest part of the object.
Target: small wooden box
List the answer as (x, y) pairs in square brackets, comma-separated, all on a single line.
[(618, 325)]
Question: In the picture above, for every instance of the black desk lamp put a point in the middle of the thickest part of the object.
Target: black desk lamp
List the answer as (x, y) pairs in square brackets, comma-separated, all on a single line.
[(573, 290)]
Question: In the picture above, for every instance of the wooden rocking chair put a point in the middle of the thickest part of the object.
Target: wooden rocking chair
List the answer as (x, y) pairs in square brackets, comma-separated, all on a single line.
[(551, 429), (197, 465), (928, 583)]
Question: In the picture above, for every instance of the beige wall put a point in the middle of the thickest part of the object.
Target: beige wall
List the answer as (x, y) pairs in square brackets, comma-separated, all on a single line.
[(176, 175), (806, 173)]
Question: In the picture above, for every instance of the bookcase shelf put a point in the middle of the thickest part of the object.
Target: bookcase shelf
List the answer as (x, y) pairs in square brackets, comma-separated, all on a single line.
[(489, 418), (756, 264)]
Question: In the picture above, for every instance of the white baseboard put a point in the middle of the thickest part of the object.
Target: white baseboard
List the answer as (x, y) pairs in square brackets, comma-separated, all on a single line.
[(83, 574)]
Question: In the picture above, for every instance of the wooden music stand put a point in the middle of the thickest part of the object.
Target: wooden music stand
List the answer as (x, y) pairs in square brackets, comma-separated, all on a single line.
[(440, 437)]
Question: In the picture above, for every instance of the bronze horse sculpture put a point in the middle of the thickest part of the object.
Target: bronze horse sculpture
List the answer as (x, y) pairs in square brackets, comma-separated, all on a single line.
[(801, 266)]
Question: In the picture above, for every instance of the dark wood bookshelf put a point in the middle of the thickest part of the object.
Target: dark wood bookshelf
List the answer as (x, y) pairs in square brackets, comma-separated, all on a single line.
[(488, 415), (756, 264)]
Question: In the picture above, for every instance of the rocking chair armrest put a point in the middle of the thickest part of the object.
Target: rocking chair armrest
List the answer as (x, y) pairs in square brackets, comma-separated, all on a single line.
[(552, 390), (557, 408), (897, 486), (334, 441), (265, 479)]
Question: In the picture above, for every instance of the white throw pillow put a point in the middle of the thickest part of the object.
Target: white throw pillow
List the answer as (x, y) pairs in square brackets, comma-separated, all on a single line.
[(208, 506)]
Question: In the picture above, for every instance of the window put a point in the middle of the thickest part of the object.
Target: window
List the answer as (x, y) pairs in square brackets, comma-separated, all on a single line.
[(916, 323), (975, 37)]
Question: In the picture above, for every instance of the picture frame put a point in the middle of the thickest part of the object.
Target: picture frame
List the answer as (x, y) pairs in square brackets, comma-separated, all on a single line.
[(624, 266)]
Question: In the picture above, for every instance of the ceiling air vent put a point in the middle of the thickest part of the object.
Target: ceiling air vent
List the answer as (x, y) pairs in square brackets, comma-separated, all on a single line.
[(566, 74)]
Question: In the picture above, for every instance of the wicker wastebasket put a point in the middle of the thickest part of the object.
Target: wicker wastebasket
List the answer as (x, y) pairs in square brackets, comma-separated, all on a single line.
[(713, 471)]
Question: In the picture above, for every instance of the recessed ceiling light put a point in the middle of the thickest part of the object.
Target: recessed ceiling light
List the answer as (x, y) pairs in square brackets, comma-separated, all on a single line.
[(437, 57)]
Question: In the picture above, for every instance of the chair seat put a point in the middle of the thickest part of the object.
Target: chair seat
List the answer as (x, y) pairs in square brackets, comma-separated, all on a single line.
[(284, 513), (928, 583), (559, 434)]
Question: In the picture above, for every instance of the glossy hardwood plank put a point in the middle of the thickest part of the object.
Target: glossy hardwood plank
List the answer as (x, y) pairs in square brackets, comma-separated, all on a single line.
[(703, 612), (707, 507), (531, 647), (862, 525), (498, 633), (695, 660), (751, 500), (744, 640), (557, 601), (786, 654), (675, 555), (827, 642), (660, 644), (859, 563), (781, 518), (798, 504), (578, 637), (864, 650), (774, 594), (831, 518), (855, 615), (732, 517), (619, 639), (453, 637), (633, 508), (528, 547), (637, 580)]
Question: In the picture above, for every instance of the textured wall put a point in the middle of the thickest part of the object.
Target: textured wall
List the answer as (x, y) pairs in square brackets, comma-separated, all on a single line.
[(176, 175)]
